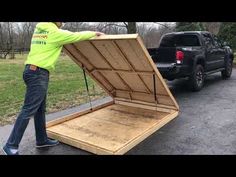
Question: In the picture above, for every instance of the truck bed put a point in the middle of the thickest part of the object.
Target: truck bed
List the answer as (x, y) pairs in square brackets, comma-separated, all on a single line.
[(163, 54)]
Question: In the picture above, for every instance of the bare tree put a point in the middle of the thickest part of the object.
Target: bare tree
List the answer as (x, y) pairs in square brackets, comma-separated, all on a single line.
[(1, 39), (212, 27), (16, 37), (110, 27), (153, 31), (150, 32), (10, 44), (130, 27), (27, 32), (76, 26), (6, 38)]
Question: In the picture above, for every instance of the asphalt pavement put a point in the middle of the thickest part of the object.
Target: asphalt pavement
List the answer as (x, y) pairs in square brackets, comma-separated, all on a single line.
[(206, 124)]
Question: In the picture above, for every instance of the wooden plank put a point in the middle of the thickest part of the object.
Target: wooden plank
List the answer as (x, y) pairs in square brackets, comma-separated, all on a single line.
[(103, 58), (101, 84), (151, 99), (157, 107), (77, 56), (148, 73), (76, 143), (83, 59), (115, 80), (104, 79), (160, 89), (108, 64), (101, 79), (146, 86), (111, 130), (123, 94), (123, 54), (157, 72), (74, 115), (111, 54), (142, 103), (113, 37), (147, 97), (90, 51), (124, 82), (135, 83), (146, 134), (124, 57), (71, 55), (131, 50)]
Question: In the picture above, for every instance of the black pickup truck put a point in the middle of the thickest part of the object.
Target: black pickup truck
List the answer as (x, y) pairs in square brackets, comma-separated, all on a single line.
[(192, 54)]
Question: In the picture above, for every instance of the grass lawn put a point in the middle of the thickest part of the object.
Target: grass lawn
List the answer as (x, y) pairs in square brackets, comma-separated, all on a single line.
[(66, 87)]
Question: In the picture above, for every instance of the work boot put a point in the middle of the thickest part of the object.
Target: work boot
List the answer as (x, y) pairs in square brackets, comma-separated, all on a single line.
[(48, 143), (10, 151)]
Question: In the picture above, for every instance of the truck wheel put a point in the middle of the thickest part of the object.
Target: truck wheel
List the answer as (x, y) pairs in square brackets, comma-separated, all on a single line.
[(197, 78), (226, 73)]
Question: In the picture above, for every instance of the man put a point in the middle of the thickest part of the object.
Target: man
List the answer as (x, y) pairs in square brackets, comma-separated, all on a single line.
[(46, 45)]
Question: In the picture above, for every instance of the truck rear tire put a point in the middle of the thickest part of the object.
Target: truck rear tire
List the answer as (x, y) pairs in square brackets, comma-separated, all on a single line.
[(226, 73), (196, 80)]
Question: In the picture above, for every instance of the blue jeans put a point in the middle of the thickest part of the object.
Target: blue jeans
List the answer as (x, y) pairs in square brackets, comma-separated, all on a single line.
[(34, 106)]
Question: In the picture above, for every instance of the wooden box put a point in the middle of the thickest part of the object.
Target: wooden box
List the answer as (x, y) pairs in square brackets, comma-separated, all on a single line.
[(142, 102)]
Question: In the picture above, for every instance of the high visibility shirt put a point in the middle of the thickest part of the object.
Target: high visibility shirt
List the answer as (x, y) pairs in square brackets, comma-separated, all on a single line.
[(47, 42)]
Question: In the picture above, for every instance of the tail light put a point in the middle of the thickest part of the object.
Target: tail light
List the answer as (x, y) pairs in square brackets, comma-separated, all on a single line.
[(179, 57)]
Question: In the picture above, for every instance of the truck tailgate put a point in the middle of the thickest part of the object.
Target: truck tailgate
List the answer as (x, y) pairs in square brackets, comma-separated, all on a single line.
[(163, 54)]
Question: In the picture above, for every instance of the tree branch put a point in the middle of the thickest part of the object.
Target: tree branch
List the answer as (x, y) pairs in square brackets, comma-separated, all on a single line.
[(126, 24), (162, 24), (112, 24)]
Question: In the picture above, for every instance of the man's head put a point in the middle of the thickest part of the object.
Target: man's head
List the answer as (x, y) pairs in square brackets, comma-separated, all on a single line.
[(60, 24)]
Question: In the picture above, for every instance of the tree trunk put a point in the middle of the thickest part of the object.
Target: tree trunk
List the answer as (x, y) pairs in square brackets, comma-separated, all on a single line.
[(5, 54), (131, 28), (12, 54)]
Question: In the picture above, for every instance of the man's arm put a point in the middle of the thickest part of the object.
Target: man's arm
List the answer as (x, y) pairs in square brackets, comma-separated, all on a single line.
[(62, 37)]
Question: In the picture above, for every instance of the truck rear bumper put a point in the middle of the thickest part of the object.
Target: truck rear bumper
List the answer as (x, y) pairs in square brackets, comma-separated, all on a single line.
[(173, 70)]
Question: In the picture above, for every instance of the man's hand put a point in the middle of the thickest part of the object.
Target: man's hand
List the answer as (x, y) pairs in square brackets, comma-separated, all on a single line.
[(99, 33)]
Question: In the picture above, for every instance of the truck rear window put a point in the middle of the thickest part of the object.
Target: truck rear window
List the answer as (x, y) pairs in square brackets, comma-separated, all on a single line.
[(179, 40)]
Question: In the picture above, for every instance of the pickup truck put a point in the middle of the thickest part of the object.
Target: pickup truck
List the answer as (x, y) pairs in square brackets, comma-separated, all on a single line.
[(192, 54)]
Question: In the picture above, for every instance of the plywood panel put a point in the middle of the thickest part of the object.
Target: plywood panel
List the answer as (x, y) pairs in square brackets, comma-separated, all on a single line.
[(90, 51), (134, 82), (149, 59), (111, 130), (150, 98), (123, 94), (99, 77), (121, 65), (112, 54), (160, 89), (76, 54), (115, 80), (124, 64), (136, 56)]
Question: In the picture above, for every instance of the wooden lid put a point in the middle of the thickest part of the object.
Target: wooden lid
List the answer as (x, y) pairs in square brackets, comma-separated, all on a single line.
[(122, 66)]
